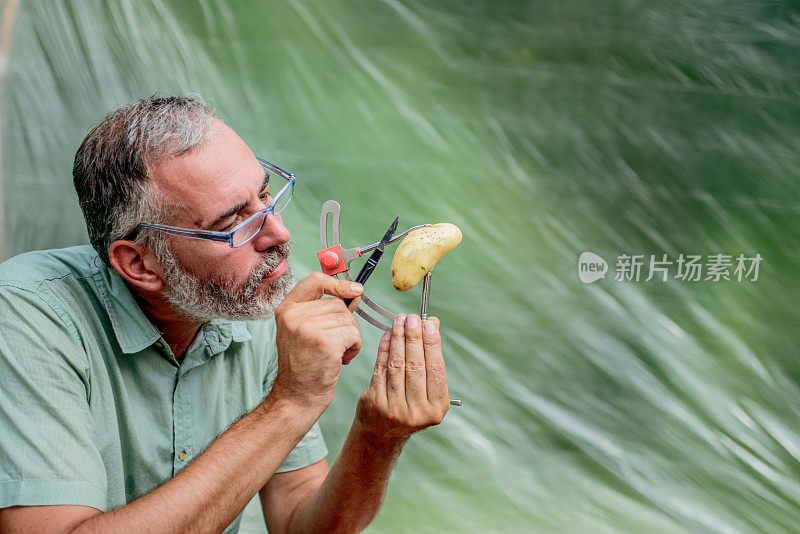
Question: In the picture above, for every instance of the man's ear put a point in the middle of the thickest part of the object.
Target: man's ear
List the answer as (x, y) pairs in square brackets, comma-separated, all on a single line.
[(137, 265)]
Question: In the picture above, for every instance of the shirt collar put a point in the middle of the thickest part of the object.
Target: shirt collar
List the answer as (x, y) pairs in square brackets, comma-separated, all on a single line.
[(240, 332), (133, 329)]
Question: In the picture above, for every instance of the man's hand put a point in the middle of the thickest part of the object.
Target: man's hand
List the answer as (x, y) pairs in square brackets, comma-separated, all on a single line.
[(315, 336), (408, 391)]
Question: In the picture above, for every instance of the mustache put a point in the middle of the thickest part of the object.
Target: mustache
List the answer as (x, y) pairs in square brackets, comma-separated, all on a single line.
[(272, 258)]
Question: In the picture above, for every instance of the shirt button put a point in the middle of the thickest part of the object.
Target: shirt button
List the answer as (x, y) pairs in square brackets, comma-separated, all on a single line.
[(182, 455), (159, 345)]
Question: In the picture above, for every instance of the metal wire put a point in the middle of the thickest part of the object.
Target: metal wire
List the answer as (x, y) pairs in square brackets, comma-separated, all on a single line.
[(397, 237)]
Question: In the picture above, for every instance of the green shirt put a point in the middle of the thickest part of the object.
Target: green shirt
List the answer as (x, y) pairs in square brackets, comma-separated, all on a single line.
[(94, 408)]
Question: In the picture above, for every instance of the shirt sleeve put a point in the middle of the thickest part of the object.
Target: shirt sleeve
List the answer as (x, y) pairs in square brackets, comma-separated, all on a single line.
[(311, 449), (47, 454)]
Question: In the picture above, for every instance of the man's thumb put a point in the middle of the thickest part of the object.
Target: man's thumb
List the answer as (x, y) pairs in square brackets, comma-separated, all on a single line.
[(313, 286)]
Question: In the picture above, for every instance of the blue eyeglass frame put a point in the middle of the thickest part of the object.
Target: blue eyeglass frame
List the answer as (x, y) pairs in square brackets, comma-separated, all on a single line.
[(227, 237)]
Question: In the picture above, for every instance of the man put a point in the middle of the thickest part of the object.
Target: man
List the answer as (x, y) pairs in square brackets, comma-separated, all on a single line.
[(122, 367)]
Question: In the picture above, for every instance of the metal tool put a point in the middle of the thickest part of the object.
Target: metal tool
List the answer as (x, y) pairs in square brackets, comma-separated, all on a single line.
[(374, 258), (336, 260), (423, 312), (426, 291)]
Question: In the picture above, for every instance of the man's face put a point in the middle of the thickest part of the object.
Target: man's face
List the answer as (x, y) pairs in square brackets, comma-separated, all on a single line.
[(214, 187)]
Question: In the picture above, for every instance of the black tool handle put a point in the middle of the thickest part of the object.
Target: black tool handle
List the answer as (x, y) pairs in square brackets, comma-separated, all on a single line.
[(366, 271)]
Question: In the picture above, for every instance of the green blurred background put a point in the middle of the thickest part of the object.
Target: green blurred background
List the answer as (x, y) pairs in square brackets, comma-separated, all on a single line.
[(543, 129)]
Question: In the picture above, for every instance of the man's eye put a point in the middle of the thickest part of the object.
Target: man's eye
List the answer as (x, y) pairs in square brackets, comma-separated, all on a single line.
[(232, 225), (265, 196)]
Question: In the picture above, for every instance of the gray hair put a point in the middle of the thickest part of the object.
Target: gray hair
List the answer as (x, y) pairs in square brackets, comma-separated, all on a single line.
[(111, 169)]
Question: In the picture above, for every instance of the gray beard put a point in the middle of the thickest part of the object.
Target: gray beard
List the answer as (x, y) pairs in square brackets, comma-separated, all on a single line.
[(201, 300)]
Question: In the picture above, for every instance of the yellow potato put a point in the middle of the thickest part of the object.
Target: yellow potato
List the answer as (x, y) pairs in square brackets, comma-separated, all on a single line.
[(419, 252)]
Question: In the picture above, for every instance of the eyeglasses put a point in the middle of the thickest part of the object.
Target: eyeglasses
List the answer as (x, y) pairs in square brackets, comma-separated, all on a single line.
[(247, 229)]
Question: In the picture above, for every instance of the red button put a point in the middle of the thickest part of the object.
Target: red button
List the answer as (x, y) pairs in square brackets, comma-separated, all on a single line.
[(329, 260)]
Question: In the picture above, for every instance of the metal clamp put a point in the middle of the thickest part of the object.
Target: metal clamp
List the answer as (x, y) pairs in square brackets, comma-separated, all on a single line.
[(335, 260)]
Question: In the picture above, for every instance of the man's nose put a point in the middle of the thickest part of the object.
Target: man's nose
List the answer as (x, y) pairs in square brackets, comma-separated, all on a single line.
[(273, 232)]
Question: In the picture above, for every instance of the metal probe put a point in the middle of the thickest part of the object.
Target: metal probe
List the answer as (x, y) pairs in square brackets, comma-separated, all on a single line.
[(423, 313)]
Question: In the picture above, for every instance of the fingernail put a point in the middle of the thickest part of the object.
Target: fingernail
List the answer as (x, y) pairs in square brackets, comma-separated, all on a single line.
[(355, 286), (430, 327), (400, 320), (385, 337), (413, 321)]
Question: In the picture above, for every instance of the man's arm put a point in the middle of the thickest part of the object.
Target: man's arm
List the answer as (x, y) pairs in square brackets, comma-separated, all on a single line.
[(205, 497), (408, 392), (209, 493)]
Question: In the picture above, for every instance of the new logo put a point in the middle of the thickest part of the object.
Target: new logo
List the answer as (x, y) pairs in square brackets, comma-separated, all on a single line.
[(591, 267)]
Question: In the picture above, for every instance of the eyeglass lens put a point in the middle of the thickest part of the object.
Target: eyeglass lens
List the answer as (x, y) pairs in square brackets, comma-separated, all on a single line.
[(247, 232)]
